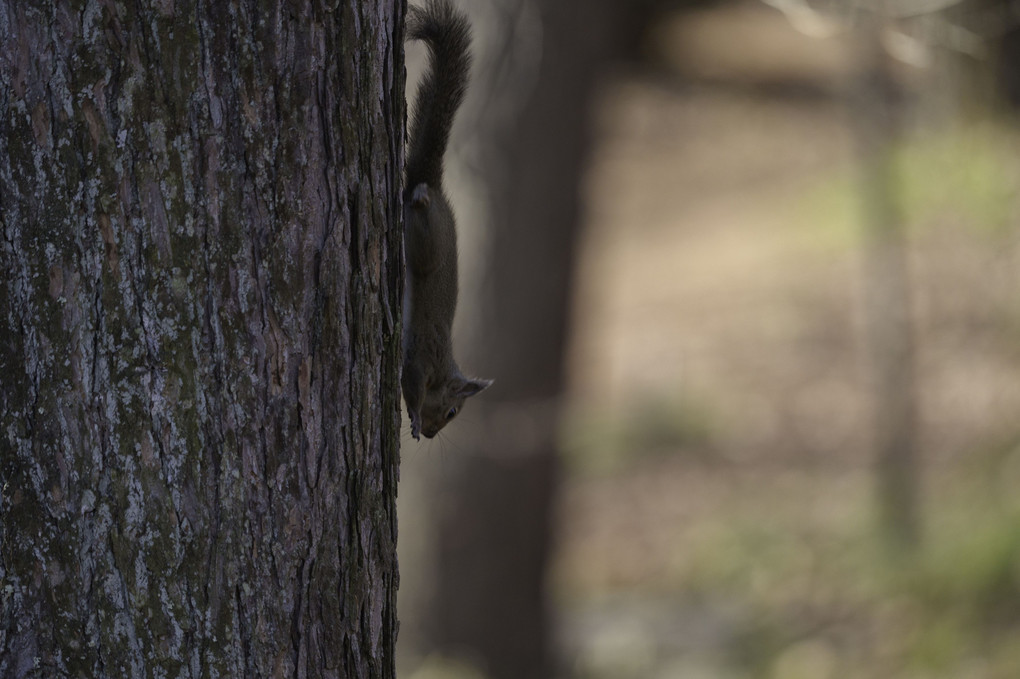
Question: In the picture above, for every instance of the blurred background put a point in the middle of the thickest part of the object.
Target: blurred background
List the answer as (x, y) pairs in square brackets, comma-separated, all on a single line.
[(747, 276)]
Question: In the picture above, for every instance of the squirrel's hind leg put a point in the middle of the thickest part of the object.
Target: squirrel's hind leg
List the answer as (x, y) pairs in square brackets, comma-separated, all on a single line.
[(420, 247)]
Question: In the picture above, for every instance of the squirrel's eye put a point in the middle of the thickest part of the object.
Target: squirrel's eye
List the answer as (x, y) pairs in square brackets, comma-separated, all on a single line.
[(451, 413)]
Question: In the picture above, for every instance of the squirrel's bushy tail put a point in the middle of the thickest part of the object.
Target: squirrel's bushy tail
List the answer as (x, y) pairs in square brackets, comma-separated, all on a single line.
[(447, 35)]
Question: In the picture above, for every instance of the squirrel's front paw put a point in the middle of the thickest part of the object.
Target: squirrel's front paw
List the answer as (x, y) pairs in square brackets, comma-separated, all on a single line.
[(420, 196)]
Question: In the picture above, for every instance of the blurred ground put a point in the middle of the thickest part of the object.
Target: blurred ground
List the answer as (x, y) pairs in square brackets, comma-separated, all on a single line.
[(717, 519)]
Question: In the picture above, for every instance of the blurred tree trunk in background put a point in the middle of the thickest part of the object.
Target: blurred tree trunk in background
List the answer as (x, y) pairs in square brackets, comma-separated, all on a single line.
[(496, 505), (1009, 66), (886, 289), (199, 211)]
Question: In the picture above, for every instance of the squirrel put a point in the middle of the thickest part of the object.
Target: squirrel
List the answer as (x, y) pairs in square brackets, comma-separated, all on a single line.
[(433, 386)]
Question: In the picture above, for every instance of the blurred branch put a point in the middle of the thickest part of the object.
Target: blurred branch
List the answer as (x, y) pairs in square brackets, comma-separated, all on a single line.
[(906, 9), (827, 20), (808, 20)]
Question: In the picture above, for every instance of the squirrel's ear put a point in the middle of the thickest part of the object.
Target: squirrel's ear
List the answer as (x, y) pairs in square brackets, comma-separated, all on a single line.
[(470, 387)]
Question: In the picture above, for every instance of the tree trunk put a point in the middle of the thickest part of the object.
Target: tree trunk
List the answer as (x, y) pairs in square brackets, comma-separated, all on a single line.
[(1008, 67), (887, 292), (496, 519), (199, 351)]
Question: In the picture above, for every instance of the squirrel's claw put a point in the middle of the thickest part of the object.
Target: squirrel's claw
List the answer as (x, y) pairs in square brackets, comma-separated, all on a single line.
[(415, 426)]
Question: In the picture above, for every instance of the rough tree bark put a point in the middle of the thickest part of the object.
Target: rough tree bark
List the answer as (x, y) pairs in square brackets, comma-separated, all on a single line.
[(199, 235)]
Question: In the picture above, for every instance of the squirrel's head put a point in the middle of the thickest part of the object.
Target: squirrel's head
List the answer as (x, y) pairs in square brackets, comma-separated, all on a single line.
[(444, 401)]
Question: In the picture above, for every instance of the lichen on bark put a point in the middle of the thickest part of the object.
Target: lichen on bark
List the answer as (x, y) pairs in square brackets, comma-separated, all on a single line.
[(199, 235)]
